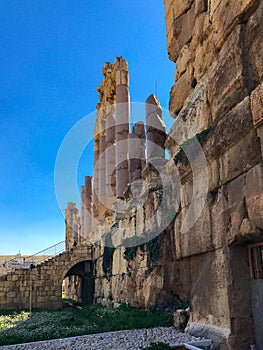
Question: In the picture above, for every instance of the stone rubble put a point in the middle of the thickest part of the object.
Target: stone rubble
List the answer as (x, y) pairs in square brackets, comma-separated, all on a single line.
[(121, 340)]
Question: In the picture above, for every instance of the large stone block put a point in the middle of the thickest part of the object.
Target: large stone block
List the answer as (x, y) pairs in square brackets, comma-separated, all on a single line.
[(180, 33), (205, 53), (240, 157), (226, 82), (227, 14), (180, 91), (209, 281), (230, 129), (236, 207), (198, 239), (254, 195), (194, 117), (252, 40), (201, 30), (182, 62), (220, 217)]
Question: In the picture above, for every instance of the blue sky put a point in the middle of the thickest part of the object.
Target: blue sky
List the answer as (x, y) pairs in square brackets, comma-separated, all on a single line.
[(51, 57)]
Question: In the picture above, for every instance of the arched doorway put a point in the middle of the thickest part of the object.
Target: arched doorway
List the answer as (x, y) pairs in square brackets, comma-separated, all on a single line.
[(78, 283)]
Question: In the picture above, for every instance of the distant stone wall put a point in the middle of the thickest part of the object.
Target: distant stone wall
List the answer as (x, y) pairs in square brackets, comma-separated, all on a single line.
[(46, 281)]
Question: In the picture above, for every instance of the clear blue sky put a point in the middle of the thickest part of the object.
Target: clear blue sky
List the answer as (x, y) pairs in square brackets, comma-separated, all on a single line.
[(51, 57)]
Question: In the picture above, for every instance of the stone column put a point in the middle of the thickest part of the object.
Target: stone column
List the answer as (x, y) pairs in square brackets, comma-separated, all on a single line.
[(122, 125), (88, 207), (96, 175), (110, 161), (155, 129), (136, 151), (72, 225), (82, 216), (102, 172)]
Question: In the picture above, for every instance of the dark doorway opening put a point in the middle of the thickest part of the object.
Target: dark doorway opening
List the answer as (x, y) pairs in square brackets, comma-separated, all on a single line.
[(78, 283)]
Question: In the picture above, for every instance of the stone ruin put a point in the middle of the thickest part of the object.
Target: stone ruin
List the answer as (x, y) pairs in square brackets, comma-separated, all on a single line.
[(215, 263)]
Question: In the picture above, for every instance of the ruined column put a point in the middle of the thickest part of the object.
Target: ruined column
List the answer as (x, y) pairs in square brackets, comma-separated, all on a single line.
[(136, 151), (155, 129), (72, 225), (102, 172), (96, 175), (110, 161), (86, 209), (82, 219), (122, 125)]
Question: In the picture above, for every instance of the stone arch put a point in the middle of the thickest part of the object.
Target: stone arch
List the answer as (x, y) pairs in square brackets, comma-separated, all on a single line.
[(84, 271)]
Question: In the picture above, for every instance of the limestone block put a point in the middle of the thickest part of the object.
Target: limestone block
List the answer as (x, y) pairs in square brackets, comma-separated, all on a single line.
[(220, 218), (193, 118), (226, 132), (152, 286), (180, 91), (182, 62), (226, 83), (210, 301), (198, 239), (257, 105), (254, 195), (252, 39), (181, 7), (214, 175), (180, 33), (204, 56), (240, 157), (231, 13), (201, 30), (236, 206), (186, 190)]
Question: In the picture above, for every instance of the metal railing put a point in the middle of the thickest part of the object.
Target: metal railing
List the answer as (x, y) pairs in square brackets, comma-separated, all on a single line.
[(25, 262)]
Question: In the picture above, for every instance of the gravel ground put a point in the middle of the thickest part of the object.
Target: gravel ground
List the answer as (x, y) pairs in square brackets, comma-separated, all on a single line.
[(121, 340)]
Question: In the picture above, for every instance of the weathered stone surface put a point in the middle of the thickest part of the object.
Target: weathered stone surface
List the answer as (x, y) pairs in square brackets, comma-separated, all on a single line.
[(225, 132), (236, 207), (254, 195), (257, 105), (227, 86), (198, 239), (72, 225), (201, 6), (241, 157), (110, 196), (180, 33), (220, 217), (193, 118), (155, 129), (136, 151), (252, 38), (182, 62), (211, 266), (180, 91), (46, 279), (226, 15)]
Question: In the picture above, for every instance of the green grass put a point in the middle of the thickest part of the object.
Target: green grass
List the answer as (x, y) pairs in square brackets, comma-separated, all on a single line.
[(21, 326)]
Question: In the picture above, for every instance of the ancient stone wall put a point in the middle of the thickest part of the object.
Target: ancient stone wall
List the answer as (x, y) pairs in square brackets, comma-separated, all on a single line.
[(217, 48), (215, 148), (42, 283)]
